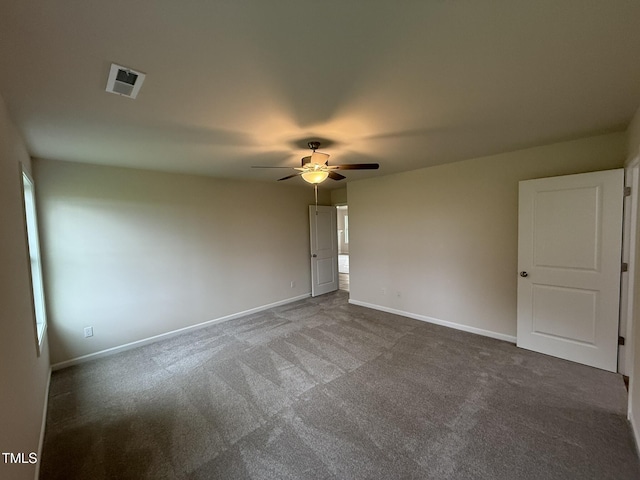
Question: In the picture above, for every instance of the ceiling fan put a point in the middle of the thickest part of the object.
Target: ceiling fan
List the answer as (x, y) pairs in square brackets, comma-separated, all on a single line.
[(315, 168)]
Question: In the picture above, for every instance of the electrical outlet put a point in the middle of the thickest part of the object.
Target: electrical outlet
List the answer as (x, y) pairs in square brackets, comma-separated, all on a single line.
[(383, 290), (293, 284), (88, 332)]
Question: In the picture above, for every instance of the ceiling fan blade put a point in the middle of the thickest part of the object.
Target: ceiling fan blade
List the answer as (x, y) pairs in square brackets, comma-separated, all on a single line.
[(289, 176), (319, 158), (260, 166), (336, 176), (358, 166)]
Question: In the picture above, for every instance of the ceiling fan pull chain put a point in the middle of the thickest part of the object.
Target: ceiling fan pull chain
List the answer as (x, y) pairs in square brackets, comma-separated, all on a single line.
[(315, 190)]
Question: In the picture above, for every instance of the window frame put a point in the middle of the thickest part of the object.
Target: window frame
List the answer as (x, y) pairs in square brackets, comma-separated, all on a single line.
[(346, 229), (34, 257)]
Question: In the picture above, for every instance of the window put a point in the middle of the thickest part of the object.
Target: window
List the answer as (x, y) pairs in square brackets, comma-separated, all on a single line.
[(346, 229), (34, 256)]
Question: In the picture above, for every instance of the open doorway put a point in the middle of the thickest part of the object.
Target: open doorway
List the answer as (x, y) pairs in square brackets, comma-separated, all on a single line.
[(343, 247)]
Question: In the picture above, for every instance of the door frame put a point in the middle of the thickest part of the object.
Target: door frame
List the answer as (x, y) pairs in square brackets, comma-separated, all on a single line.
[(338, 207), (627, 280)]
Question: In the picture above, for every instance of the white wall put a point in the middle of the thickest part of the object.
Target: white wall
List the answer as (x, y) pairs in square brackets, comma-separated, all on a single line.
[(442, 242), (23, 375), (634, 382), (138, 253)]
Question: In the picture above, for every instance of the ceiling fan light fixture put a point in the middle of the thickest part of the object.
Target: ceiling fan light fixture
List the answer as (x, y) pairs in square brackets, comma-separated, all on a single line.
[(315, 168), (315, 176)]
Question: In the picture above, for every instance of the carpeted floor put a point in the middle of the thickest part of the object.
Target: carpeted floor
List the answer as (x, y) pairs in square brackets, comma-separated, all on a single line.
[(320, 389)]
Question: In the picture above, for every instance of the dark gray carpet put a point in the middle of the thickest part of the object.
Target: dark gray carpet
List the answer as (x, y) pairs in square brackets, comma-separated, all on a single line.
[(321, 389)]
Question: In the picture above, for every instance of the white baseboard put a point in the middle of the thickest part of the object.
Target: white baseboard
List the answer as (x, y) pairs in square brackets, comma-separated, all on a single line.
[(444, 323), (43, 426), (173, 333)]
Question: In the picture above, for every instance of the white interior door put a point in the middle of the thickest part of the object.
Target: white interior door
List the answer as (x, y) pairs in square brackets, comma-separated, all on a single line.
[(570, 237), (323, 227)]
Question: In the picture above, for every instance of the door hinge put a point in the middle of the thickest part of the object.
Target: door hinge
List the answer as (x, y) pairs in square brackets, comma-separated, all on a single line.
[(620, 340), (625, 267), (627, 191)]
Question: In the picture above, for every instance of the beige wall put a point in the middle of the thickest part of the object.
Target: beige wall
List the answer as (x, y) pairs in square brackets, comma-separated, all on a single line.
[(23, 375), (339, 196), (138, 253), (634, 382), (442, 242), (633, 133)]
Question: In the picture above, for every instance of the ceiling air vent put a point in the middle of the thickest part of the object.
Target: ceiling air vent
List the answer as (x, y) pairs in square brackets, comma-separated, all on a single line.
[(124, 81)]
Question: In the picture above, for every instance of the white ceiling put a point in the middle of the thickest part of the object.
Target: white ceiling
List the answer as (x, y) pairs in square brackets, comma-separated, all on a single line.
[(231, 84)]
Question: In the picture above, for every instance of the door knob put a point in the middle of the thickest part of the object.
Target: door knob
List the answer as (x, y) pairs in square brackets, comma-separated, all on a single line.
[(524, 274), (314, 255)]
